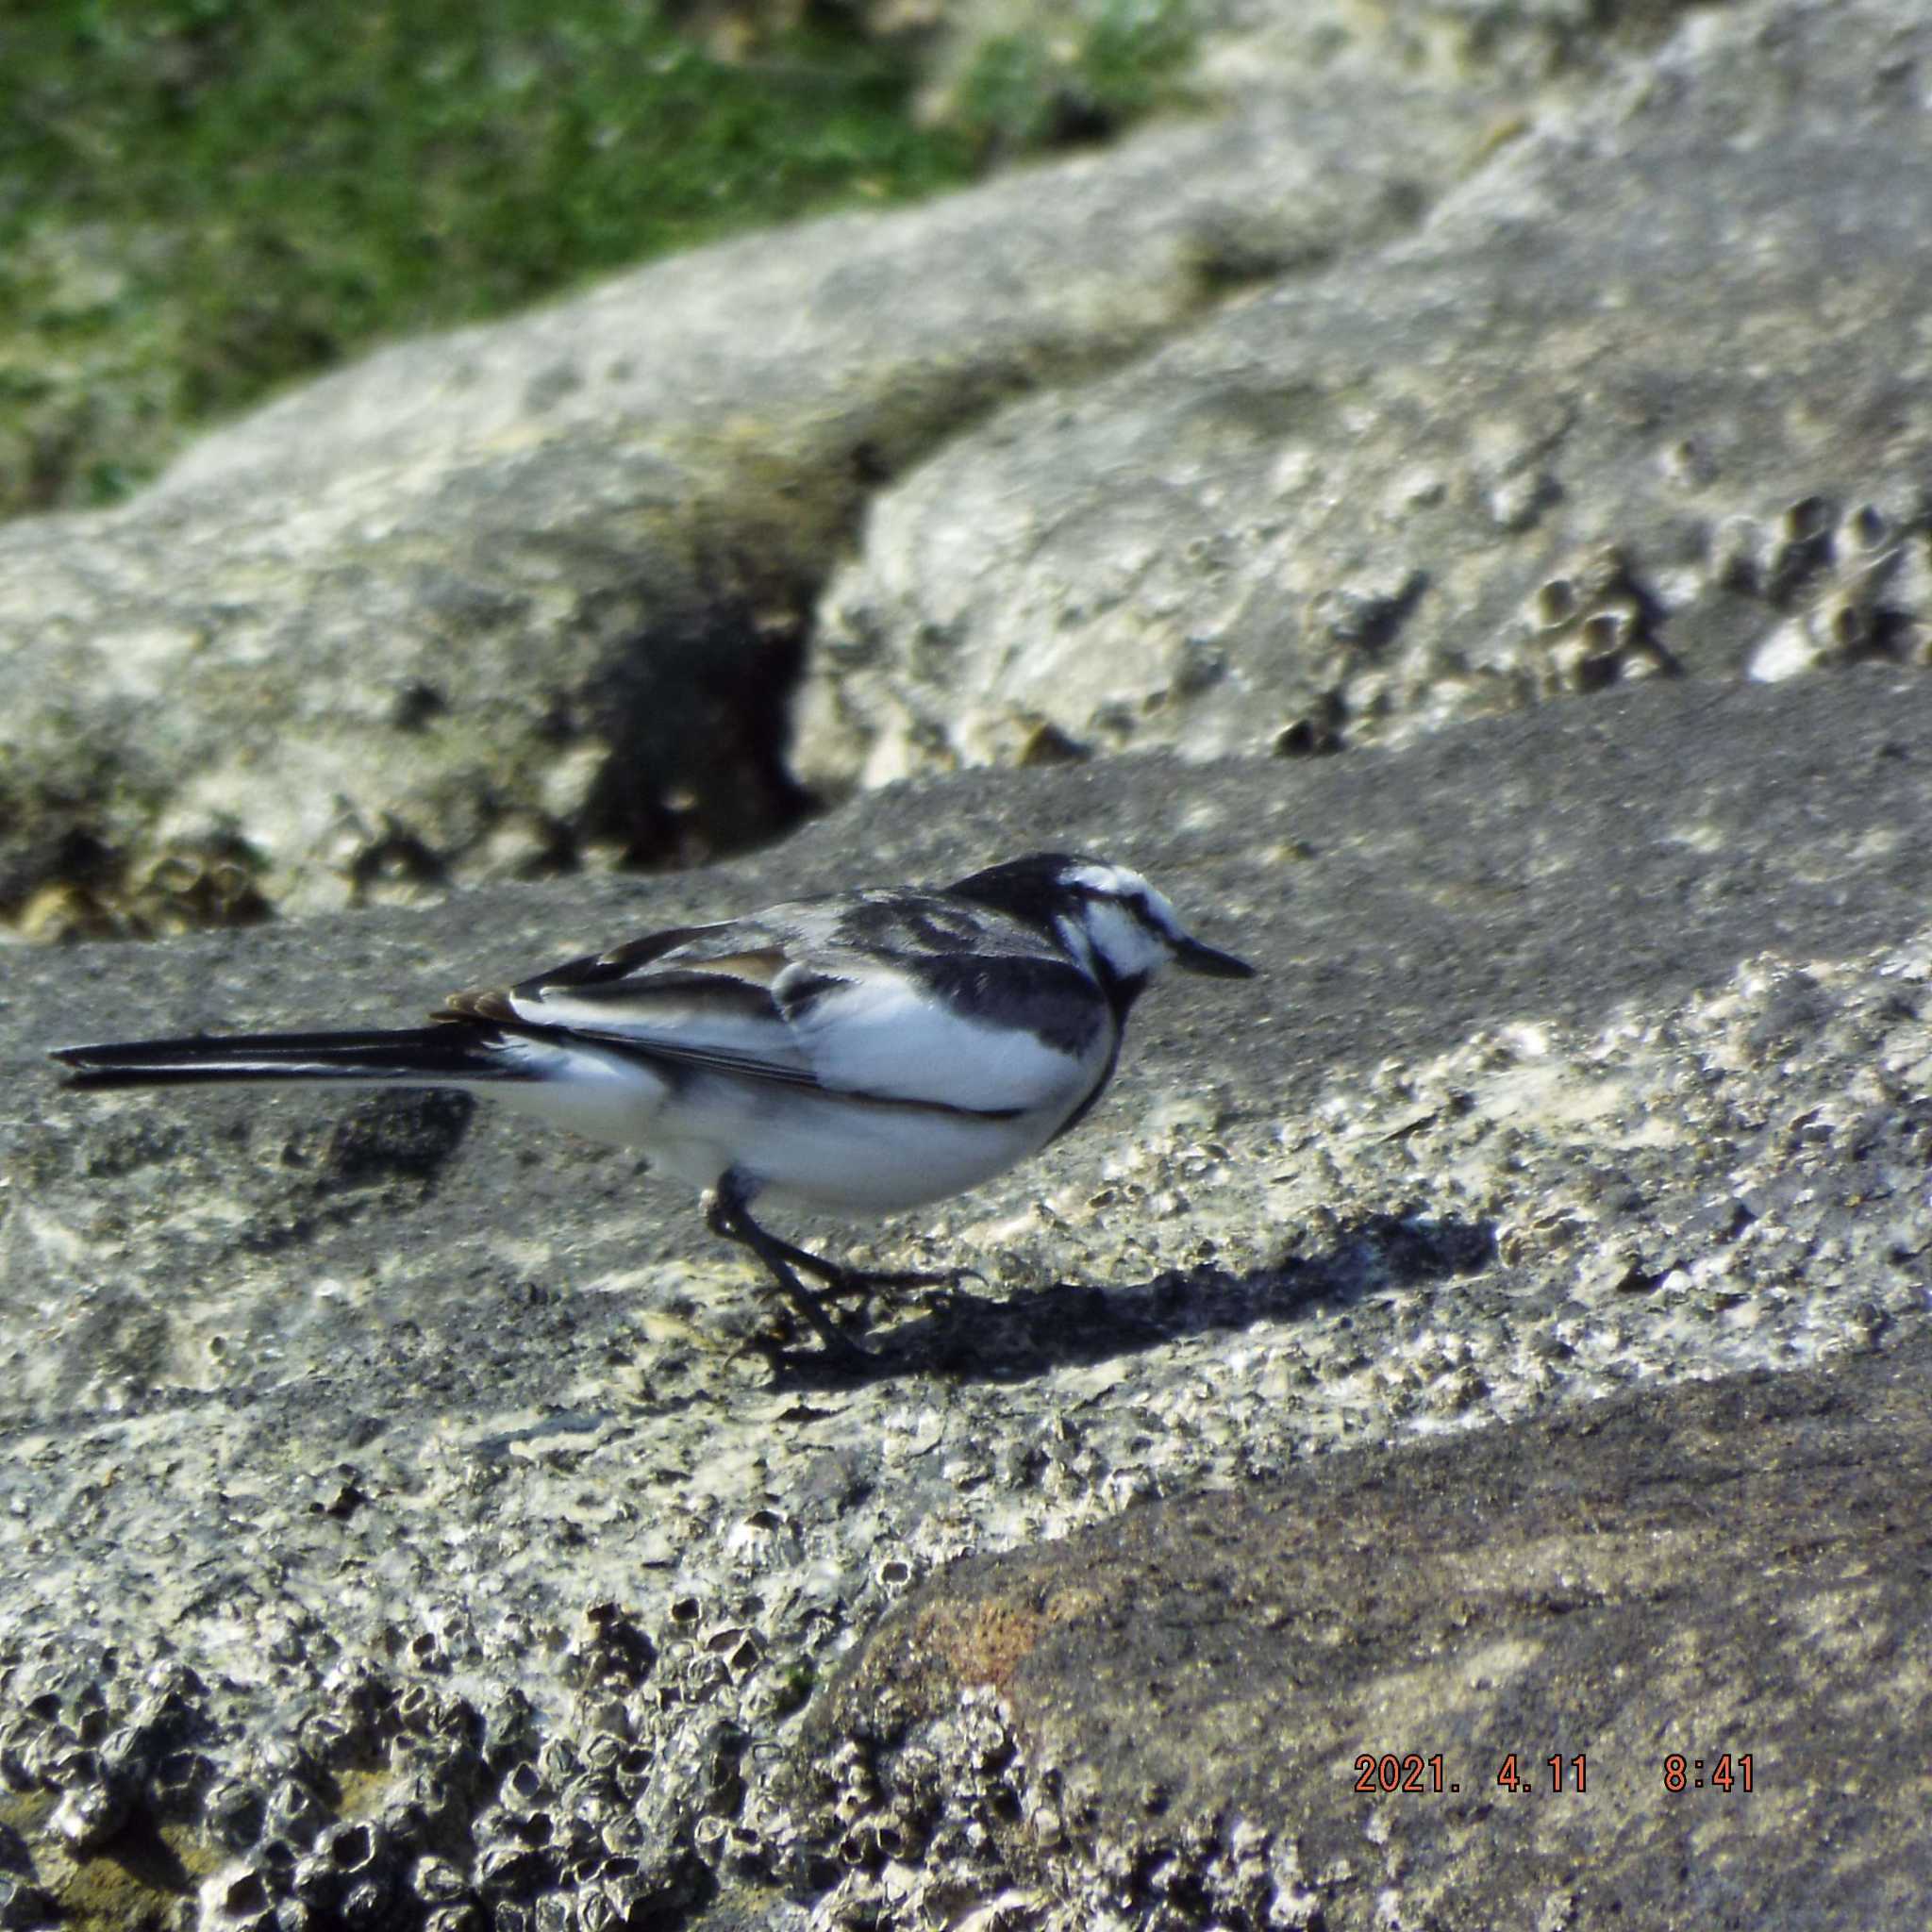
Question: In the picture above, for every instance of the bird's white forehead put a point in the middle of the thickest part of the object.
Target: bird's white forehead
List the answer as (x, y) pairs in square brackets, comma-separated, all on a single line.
[(1123, 882), (1115, 879)]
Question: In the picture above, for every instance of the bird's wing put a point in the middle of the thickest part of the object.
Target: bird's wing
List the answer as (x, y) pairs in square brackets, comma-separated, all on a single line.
[(990, 1034), (697, 995), (885, 1009)]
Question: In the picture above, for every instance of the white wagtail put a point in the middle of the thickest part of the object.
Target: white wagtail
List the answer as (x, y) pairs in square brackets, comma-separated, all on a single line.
[(860, 1052)]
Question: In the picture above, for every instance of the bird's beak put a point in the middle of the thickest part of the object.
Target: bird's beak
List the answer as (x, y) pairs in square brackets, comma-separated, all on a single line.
[(1191, 955)]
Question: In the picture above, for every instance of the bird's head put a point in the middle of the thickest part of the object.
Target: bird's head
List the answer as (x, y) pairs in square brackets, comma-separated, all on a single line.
[(1107, 915)]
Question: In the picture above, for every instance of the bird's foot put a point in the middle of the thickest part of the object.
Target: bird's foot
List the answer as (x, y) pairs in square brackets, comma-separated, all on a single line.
[(836, 1344), (842, 1282)]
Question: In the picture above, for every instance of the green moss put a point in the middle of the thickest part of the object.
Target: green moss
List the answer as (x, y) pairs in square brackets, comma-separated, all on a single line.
[(1095, 66), (796, 1683), (202, 199), (136, 1883)]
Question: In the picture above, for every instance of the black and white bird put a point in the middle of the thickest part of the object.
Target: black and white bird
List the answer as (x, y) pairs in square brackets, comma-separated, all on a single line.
[(858, 1052)]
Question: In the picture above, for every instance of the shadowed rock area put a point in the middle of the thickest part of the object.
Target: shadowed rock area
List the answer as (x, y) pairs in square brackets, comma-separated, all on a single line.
[(1164, 1720)]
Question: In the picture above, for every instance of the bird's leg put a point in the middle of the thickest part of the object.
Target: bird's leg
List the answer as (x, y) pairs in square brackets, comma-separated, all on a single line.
[(729, 1216)]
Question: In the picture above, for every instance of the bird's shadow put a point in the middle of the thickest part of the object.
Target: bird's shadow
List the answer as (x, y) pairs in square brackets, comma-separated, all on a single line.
[(971, 1335)]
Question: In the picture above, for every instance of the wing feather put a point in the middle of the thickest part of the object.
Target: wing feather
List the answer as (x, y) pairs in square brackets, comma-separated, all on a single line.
[(878, 1004)]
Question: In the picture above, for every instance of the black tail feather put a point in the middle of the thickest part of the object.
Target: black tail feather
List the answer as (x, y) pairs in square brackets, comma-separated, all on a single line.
[(421, 1054)]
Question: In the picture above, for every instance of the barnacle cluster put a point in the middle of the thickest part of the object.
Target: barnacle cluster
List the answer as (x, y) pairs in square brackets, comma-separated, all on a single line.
[(1593, 624), (1852, 582)]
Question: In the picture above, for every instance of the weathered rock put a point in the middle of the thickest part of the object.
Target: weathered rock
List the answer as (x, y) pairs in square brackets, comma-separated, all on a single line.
[(386, 1466), (521, 597), (531, 597), (1664, 1660), (1647, 395)]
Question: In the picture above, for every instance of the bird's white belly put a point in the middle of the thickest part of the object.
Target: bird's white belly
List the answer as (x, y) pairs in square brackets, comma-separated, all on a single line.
[(814, 1151), (790, 1143)]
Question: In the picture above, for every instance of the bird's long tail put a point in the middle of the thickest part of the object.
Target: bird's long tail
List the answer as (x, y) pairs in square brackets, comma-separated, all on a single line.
[(420, 1056)]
